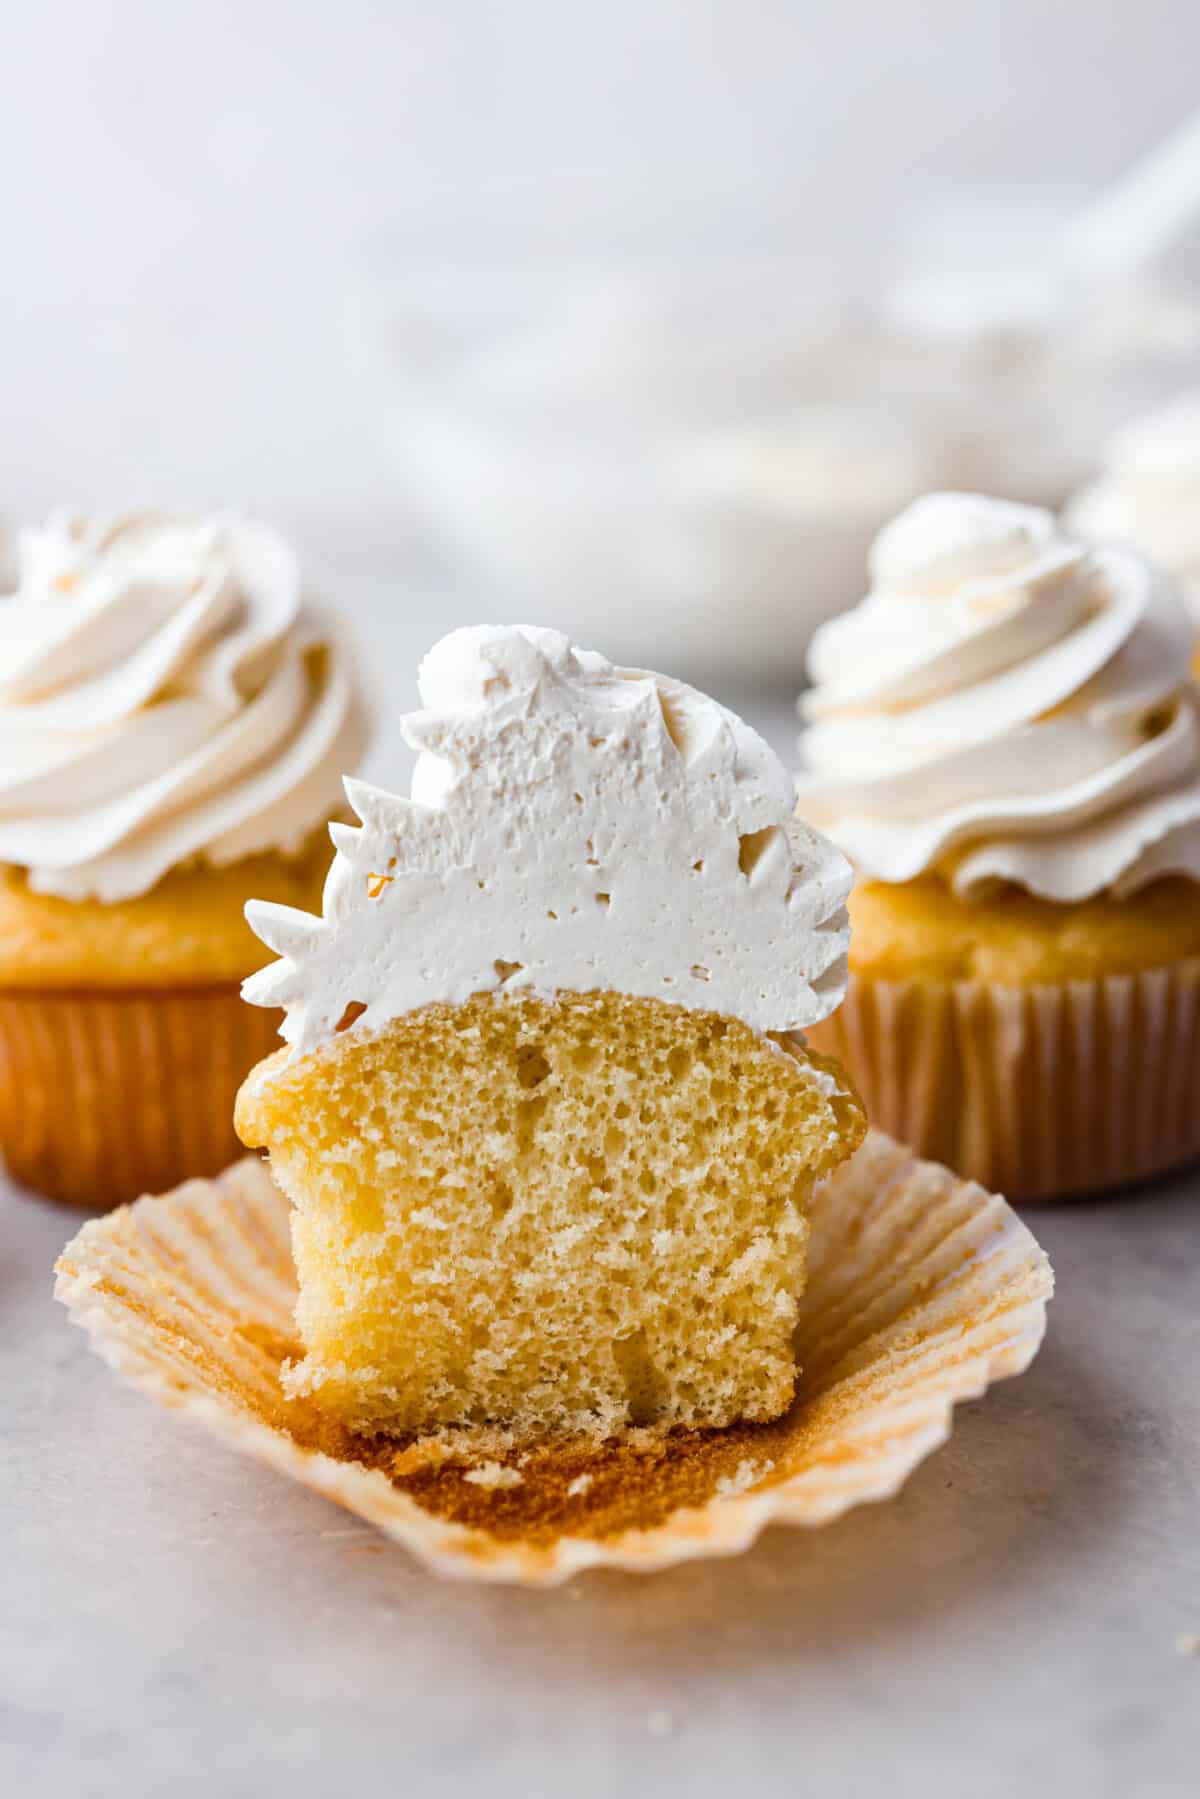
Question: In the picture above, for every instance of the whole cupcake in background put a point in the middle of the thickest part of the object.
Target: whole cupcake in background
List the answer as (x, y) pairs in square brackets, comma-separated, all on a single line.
[(1148, 492), (1004, 739), (175, 720)]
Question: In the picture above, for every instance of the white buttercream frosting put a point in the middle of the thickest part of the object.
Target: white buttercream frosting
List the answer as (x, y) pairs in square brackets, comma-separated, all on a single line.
[(572, 826), (165, 693), (1006, 704), (1148, 493)]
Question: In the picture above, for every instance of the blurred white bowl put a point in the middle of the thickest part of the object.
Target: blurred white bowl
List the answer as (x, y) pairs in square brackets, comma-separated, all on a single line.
[(686, 465)]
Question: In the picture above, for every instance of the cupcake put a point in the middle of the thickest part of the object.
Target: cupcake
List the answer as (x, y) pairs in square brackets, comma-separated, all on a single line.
[(173, 723), (1004, 739), (1148, 492), (546, 1123)]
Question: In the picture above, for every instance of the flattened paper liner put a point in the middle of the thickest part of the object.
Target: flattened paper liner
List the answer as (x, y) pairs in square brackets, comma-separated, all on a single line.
[(107, 1095), (1040, 1091), (922, 1290)]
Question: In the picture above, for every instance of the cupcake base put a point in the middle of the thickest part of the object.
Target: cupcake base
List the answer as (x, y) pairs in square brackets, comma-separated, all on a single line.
[(108, 1095), (922, 1290), (1039, 1092)]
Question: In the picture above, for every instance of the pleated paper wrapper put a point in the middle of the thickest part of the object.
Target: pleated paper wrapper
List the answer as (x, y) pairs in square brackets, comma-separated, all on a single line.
[(107, 1095), (1042, 1092), (922, 1289)]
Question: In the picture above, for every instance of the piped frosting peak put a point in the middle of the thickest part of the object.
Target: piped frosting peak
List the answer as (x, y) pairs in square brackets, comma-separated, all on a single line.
[(166, 692), (571, 826), (1006, 704)]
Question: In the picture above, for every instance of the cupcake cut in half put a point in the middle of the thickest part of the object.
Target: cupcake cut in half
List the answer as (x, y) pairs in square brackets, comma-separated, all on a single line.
[(1004, 738), (546, 1123), (175, 719)]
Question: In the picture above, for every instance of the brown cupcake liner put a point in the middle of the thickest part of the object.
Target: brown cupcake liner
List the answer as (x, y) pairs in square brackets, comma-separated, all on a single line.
[(1041, 1092), (922, 1289), (107, 1095)]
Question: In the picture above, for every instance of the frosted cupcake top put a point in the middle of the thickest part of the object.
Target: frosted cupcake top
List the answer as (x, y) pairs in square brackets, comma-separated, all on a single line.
[(572, 826), (1148, 494), (1006, 704), (165, 693)]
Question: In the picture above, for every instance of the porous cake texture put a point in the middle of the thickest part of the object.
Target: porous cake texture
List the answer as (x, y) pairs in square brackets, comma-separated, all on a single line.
[(553, 1215)]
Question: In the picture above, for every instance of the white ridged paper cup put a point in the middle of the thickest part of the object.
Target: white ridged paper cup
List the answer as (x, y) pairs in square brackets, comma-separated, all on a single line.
[(922, 1289), (107, 1095), (1041, 1092)]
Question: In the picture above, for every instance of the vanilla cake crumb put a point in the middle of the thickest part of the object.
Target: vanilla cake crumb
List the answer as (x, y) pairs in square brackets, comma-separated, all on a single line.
[(492, 1475), (744, 1477), (585, 1214)]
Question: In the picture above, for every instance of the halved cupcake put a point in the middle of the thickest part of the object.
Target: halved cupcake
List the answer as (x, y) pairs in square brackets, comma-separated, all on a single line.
[(547, 1123), (174, 720)]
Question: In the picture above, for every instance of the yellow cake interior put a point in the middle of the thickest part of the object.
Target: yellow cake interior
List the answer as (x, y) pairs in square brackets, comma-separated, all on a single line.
[(549, 1216)]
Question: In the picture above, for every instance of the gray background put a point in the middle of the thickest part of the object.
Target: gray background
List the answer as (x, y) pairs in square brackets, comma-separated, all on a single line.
[(192, 194), (200, 201)]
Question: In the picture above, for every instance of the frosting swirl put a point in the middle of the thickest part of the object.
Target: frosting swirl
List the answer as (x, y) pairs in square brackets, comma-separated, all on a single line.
[(165, 693), (1148, 494), (572, 826), (1006, 704)]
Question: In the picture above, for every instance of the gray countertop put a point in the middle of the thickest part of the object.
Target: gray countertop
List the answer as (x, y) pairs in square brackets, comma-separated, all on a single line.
[(177, 1621)]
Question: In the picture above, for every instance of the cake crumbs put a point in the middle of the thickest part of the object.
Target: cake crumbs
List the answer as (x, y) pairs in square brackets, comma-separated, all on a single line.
[(747, 1473), (494, 1474), (579, 1485), (646, 1439)]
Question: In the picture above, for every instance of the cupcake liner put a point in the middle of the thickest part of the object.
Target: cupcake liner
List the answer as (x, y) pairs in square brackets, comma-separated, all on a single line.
[(922, 1289), (1042, 1092), (104, 1096)]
